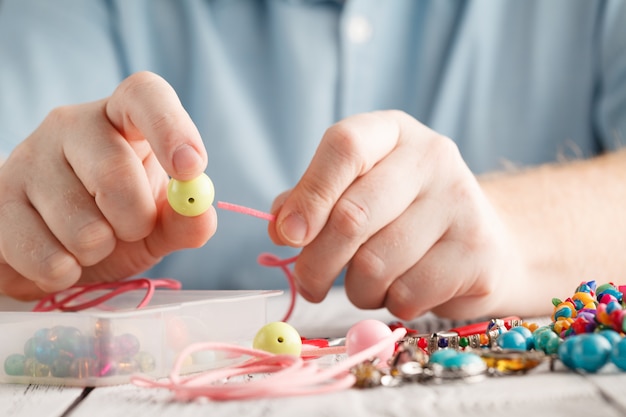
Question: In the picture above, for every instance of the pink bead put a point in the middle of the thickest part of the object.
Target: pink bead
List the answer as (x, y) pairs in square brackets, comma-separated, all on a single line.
[(367, 333)]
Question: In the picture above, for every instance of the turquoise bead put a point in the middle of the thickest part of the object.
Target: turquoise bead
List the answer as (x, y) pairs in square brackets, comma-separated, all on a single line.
[(552, 346), (565, 352), (441, 356), (543, 338), (611, 335), (452, 359), (14, 364), (590, 352), (46, 352), (618, 354), (512, 340), (462, 359)]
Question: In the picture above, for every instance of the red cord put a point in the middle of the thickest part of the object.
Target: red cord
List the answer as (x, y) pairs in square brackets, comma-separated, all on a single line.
[(68, 298)]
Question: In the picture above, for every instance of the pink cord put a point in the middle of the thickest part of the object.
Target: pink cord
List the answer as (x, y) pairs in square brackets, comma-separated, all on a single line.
[(246, 210), (283, 375), (267, 259)]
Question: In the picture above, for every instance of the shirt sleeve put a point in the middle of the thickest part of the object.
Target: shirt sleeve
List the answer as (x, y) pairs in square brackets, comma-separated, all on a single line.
[(52, 53), (611, 90)]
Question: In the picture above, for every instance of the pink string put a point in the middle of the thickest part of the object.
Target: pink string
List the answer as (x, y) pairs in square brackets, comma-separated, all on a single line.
[(246, 210), (282, 375), (267, 259)]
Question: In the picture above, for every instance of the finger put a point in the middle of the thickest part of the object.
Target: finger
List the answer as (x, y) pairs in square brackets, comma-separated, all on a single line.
[(446, 272), (35, 252), (361, 212), (174, 232), (348, 150), (14, 285), (112, 172), (276, 206), (391, 252), (145, 106)]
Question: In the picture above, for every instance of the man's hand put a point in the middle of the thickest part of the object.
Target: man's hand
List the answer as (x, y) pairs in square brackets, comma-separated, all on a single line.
[(394, 202), (84, 197)]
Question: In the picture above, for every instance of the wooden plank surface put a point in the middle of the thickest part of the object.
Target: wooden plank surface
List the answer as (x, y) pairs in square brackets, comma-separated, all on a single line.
[(36, 400), (537, 393)]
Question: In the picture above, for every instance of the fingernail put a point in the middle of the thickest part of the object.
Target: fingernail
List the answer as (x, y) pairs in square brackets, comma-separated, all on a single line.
[(294, 229), (186, 160)]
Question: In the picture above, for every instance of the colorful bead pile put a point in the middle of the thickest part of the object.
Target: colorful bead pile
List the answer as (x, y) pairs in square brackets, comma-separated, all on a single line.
[(66, 352), (589, 327)]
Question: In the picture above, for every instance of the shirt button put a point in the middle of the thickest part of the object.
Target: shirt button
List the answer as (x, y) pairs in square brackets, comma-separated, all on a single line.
[(358, 29)]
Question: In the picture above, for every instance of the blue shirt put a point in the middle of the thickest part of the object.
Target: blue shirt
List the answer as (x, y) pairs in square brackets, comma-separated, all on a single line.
[(511, 82)]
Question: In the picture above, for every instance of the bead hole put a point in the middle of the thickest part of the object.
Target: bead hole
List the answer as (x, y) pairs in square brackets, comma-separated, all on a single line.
[(191, 200), (280, 340)]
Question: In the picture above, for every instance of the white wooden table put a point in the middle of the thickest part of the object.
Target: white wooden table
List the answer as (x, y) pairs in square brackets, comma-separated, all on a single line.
[(541, 392)]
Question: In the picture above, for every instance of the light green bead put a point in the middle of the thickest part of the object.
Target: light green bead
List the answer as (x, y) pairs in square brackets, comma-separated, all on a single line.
[(191, 198), (278, 338), (14, 364)]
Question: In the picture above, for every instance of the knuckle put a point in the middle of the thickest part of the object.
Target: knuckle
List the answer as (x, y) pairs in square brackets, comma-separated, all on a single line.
[(350, 219), (139, 82), (93, 242), (401, 301), (445, 149), (56, 271), (370, 264), (61, 115), (59, 119), (347, 144)]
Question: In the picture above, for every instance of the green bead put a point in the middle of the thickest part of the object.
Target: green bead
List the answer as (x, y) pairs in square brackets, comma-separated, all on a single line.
[(34, 368), (60, 368), (464, 342), (278, 338), (14, 364), (145, 361), (191, 198), (552, 345)]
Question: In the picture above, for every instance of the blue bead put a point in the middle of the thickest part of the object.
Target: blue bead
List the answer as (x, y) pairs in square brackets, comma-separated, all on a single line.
[(530, 341), (512, 340), (46, 352), (618, 354), (523, 330), (565, 352), (590, 352), (462, 359), (440, 356), (611, 335)]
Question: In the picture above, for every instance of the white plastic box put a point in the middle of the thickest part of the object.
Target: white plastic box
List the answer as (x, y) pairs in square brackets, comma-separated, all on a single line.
[(108, 344)]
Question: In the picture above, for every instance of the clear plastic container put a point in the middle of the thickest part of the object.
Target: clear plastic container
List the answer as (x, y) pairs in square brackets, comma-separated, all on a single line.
[(108, 344)]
